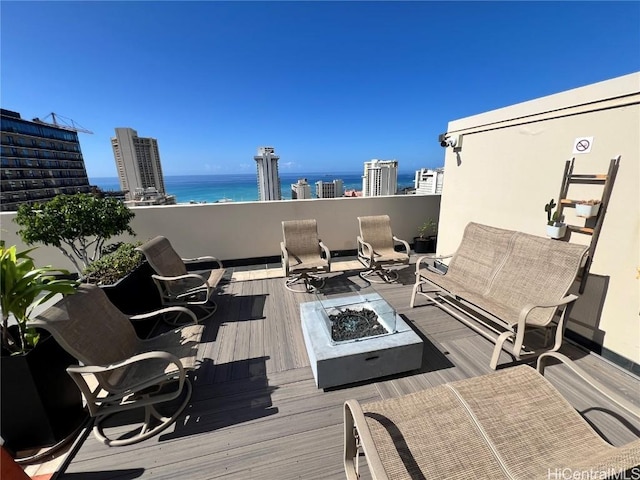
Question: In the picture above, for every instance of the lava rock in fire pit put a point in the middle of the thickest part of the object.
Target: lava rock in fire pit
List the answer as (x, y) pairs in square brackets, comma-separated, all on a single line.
[(352, 324)]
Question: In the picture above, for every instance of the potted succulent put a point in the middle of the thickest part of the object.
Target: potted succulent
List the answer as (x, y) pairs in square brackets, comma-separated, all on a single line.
[(425, 242), (41, 404), (587, 208), (555, 227)]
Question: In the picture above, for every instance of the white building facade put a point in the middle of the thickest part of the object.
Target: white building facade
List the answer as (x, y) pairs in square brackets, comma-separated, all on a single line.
[(380, 178), (137, 161), (267, 174), (300, 190), (429, 182), (331, 189)]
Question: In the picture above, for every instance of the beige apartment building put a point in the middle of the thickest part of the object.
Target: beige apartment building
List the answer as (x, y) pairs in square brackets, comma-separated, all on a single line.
[(138, 163)]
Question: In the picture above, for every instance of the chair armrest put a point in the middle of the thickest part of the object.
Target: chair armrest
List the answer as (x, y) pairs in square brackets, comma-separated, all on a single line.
[(203, 259), (144, 316), (362, 245), (179, 277), (92, 396), (403, 242), (285, 259), (357, 434), (526, 310), (326, 251), (610, 394)]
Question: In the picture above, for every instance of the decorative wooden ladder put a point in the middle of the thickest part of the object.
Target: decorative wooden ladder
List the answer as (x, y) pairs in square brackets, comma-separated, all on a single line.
[(593, 225)]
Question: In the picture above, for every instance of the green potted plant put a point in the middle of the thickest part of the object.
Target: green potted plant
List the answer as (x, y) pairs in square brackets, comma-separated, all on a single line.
[(587, 208), (125, 276), (425, 242), (555, 227), (40, 403)]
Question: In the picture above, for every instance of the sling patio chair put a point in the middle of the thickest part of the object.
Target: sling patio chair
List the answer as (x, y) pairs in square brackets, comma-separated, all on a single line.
[(120, 372), (176, 285), (511, 424), (376, 249), (304, 256)]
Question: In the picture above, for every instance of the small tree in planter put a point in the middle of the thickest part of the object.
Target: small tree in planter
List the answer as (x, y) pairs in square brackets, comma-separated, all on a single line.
[(78, 225), (425, 242)]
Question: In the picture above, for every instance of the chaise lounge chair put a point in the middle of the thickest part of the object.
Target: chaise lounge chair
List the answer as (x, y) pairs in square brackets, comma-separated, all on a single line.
[(512, 424)]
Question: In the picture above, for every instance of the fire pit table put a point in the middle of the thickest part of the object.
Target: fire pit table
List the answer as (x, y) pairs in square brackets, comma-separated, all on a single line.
[(357, 337)]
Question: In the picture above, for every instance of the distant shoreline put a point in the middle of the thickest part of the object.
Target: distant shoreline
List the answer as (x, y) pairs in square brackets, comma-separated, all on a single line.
[(242, 187)]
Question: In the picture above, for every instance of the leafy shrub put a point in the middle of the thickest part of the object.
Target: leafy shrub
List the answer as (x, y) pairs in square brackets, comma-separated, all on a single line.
[(113, 266)]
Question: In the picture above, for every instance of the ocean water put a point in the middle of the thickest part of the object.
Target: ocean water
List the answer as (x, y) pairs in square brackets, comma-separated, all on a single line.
[(242, 187)]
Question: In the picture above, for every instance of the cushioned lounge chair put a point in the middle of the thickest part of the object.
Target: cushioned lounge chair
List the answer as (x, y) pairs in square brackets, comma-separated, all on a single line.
[(176, 285), (512, 424), (304, 256), (120, 371), (376, 249)]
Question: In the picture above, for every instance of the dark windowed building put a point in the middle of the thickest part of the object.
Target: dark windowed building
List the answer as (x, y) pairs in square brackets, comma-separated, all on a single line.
[(39, 161)]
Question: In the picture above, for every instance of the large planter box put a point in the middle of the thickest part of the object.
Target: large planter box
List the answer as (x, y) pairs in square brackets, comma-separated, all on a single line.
[(41, 404), (136, 293)]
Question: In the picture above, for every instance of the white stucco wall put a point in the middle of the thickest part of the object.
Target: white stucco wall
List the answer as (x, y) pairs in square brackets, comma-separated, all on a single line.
[(510, 165), (253, 229)]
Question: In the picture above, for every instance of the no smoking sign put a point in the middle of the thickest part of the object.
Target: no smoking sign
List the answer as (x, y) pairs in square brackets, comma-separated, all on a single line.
[(582, 145)]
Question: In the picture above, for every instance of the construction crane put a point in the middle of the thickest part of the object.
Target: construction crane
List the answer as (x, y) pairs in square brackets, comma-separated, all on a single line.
[(62, 122)]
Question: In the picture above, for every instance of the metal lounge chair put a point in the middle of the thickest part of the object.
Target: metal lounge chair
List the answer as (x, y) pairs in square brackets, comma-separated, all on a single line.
[(304, 256), (176, 285), (376, 249), (512, 424), (119, 371)]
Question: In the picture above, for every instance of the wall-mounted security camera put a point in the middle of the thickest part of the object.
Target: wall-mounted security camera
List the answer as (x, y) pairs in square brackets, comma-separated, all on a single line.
[(448, 140)]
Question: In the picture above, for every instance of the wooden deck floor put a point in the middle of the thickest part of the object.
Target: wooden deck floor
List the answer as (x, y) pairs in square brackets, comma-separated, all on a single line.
[(257, 414)]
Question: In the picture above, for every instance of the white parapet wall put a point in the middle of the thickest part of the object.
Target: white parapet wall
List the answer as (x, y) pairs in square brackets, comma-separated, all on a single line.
[(244, 230), (511, 164)]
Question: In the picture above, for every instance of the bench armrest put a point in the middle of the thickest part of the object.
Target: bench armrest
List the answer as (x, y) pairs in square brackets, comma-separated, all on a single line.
[(610, 394), (528, 308), (432, 256)]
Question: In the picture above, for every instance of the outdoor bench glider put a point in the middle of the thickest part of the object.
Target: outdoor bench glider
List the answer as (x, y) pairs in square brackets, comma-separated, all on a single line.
[(502, 282), (510, 424)]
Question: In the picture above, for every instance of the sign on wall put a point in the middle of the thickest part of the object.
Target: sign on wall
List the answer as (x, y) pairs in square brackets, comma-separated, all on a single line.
[(582, 145)]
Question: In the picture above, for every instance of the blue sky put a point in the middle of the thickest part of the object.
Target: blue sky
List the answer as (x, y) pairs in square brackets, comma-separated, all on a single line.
[(328, 84)]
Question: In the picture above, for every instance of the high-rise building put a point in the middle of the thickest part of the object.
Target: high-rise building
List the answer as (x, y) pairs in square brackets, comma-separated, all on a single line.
[(300, 190), (267, 172), (39, 161), (429, 182), (332, 189), (138, 163), (380, 178)]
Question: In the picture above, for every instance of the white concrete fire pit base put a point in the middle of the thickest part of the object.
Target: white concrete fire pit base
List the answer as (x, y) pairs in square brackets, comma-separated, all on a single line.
[(364, 359)]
